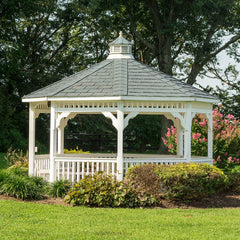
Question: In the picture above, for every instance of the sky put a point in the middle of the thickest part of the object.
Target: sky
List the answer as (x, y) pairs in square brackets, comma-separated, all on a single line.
[(224, 60)]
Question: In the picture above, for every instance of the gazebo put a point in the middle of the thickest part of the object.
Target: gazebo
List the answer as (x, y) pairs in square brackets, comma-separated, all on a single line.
[(120, 88)]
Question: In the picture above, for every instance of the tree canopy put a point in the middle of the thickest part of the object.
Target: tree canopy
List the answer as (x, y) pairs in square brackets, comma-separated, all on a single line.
[(43, 41)]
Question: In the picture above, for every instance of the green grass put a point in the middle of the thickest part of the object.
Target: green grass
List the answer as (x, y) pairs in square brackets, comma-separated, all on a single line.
[(3, 163), (21, 220)]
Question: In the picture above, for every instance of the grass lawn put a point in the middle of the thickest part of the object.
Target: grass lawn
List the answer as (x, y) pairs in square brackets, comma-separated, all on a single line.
[(3, 163), (20, 220)]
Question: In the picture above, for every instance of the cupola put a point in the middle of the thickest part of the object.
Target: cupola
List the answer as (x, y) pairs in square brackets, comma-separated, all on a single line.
[(120, 48)]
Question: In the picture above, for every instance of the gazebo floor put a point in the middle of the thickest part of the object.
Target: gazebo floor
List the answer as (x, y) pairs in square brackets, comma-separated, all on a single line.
[(74, 167)]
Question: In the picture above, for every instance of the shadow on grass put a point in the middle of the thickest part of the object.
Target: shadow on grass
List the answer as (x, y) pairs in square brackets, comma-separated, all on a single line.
[(223, 200)]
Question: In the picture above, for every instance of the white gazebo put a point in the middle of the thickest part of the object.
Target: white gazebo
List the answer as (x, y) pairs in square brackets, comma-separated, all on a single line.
[(120, 88)]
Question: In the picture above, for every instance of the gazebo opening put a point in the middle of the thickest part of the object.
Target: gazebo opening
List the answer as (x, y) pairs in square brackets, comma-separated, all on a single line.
[(125, 92)]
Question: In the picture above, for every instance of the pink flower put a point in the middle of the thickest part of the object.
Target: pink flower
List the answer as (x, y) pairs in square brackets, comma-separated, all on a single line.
[(196, 135), (230, 159), (170, 146), (223, 132), (213, 160), (200, 140), (230, 116), (195, 120), (204, 139), (219, 159), (225, 153), (168, 134), (173, 131), (226, 121), (175, 140), (219, 126), (202, 124)]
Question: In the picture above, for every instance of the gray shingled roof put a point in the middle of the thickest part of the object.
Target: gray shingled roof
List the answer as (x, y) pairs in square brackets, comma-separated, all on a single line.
[(119, 77)]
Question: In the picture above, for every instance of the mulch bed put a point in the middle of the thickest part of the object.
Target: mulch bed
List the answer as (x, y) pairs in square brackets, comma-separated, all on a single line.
[(226, 200)]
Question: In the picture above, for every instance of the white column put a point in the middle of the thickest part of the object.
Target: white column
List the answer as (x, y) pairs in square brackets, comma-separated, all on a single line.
[(187, 133), (120, 128), (61, 137), (179, 139), (52, 143), (210, 137), (31, 146)]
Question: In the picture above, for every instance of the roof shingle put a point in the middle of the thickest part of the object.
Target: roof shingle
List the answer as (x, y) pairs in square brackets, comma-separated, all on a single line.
[(119, 77)]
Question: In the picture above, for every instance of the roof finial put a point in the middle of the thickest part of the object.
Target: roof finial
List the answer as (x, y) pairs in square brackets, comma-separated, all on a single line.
[(120, 48)]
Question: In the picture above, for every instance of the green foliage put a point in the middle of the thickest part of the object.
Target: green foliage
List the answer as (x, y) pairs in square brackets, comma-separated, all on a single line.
[(3, 162), (144, 179), (234, 179), (191, 181), (16, 183), (104, 191), (226, 139), (16, 158), (59, 188), (180, 181)]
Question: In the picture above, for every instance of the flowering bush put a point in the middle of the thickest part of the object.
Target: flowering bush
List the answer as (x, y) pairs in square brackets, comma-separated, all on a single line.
[(78, 151), (226, 139)]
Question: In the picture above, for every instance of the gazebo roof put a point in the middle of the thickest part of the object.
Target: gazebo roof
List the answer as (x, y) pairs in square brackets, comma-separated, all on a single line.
[(120, 76)]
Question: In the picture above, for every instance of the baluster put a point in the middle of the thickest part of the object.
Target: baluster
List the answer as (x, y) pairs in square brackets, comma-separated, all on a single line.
[(58, 164), (97, 167), (68, 169), (102, 166), (113, 168), (73, 171), (78, 173), (83, 169), (93, 165), (63, 170), (87, 168), (107, 167)]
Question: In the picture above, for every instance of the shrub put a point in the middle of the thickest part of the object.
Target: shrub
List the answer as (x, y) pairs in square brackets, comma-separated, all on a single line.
[(104, 191), (144, 179), (226, 139), (180, 181), (3, 176), (16, 158), (59, 188), (18, 184), (234, 179), (190, 181)]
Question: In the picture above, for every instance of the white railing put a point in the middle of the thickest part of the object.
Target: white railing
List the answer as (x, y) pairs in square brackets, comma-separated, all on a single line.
[(75, 170), (129, 162), (76, 166), (42, 166)]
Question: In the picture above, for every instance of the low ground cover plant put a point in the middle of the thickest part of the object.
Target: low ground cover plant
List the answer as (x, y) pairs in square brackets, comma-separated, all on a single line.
[(59, 188), (15, 182)]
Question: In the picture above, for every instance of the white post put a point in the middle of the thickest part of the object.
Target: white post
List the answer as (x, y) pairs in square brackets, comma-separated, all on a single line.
[(61, 137), (32, 124), (179, 139), (120, 128), (210, 136), (187, 133), (52, 142)]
